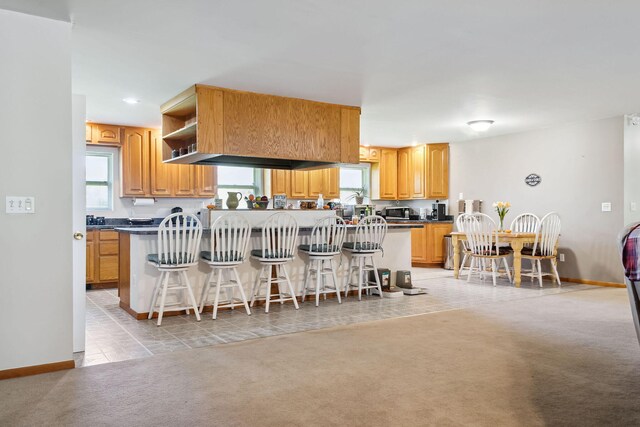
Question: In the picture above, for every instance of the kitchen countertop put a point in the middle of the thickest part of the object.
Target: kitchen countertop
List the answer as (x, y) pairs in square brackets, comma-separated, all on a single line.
[(154, 229), (417, 221)]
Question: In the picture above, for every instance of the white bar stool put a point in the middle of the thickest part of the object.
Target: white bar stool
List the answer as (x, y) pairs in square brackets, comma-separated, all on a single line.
[(179, 237), (279, 238), (230, 235), (369, 236), (327, 237)]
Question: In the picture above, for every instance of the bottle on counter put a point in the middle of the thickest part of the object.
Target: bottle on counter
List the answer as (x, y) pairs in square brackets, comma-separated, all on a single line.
[(320, 202)]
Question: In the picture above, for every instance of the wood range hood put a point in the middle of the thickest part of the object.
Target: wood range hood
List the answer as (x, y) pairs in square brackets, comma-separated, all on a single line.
[(209, 125)]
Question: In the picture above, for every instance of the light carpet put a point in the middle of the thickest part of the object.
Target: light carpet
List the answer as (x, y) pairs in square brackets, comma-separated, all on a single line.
[(566, 359)]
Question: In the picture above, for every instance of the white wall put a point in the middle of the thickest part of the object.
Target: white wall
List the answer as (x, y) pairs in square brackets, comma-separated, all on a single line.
[(631, 171), (581, 166), (35, 258)]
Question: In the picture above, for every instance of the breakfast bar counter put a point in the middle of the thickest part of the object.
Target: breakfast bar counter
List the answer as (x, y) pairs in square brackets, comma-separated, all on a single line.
[(138, 277)]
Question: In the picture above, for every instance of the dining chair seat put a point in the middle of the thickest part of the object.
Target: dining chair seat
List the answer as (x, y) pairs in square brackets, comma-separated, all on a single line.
[(320, 248), (222, 257)]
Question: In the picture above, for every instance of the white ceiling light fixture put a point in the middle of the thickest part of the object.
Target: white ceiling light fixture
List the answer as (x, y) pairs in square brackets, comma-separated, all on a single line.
[(131, 100), (480, 125)]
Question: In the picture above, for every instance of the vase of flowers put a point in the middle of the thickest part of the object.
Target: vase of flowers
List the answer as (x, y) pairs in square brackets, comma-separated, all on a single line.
[(502, 208)]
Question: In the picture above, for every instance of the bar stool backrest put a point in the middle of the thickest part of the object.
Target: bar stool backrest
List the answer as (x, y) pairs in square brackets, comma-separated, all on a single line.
[(525, 223), (370, 233), (179, 237), (279, 236), (547, 238), (327, 236), (230, 236)]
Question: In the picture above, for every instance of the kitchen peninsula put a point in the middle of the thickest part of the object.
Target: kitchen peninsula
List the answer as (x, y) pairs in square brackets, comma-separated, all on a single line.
[(138, 278)]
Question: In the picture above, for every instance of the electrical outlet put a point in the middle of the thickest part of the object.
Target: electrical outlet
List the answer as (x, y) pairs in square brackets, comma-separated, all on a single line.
[(561, 257), (606, 206), (20, 205)]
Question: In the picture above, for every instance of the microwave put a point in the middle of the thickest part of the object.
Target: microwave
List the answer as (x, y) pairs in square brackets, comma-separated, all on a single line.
[(398, 212)]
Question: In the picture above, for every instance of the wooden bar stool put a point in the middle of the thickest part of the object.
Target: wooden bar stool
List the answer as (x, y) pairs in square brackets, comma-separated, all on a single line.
[(179, 237), (326, 242), (279, 238), (368, 239), (229, 241)]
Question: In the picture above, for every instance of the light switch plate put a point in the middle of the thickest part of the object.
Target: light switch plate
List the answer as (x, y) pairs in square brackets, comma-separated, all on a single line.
[(606, 206), (20, 204)]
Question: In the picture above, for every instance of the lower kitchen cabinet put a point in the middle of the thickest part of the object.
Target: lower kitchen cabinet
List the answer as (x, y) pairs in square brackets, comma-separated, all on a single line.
[(103, 258), (427, 243)]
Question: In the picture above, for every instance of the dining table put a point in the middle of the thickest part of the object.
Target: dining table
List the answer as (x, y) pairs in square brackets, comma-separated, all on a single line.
[(516, 240)]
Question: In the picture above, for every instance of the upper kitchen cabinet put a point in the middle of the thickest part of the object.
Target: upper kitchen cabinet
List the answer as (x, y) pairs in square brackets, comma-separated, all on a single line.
[(437, 171), (404, 172), (331, 183), (134, 163), (280, 182), (306, 184), (417, 172), (221, 126), (206, 181), (104, 134), (161, 174), (384, 175)]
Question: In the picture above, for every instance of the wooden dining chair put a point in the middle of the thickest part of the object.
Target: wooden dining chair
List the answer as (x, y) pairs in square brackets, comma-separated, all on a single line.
[(484, 244), (545, 248), (526, 223)]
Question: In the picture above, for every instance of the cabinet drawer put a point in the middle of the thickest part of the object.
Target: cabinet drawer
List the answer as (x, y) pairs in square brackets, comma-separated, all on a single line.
[(108, 235), (109, 248)]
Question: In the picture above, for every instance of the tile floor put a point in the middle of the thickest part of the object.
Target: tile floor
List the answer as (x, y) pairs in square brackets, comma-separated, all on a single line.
[(113, 335)]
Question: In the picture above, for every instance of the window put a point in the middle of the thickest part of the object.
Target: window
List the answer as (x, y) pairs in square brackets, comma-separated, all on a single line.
[(99, 181), (352, 179), (244, 180)]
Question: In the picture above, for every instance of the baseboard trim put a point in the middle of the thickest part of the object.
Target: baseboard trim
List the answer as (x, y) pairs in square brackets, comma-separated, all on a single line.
[(594, 282), (427, 264), (36, 369)]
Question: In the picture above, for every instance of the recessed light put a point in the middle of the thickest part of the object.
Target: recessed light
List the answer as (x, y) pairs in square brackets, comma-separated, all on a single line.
[(131, 100), (480, 125), (366, 145)]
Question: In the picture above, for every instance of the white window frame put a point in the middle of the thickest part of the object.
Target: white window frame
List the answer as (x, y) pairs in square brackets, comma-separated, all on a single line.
[(256, 189), (366, 184), (108, 183)]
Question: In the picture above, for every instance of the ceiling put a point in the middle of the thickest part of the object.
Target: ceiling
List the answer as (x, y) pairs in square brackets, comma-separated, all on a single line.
[(419, 69)]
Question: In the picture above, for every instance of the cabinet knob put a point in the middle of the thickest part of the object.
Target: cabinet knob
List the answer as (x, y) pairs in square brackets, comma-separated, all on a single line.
[(78, 235)]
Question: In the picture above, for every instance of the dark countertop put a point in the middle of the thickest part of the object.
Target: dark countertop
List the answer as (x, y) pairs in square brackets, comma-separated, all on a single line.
[(151, 230), (417, 221)]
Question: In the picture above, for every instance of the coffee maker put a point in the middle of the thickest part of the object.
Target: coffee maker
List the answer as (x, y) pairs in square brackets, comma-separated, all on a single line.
[(438, 211)]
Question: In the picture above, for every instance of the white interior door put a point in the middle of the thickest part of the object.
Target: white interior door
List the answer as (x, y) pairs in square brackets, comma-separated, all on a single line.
[(79, 220)]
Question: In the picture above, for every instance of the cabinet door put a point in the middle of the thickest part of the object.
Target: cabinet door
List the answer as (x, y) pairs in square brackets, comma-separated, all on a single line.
[(135, 162), (331, 183), (299, 184), (91, 258), (388, 174), (419, 244), (105, 134), (438, 171), (417, 176), (161, 179), (374, 154), (279, 182), (108, 268), (206, 181), (404, 173), (435, 241), (184, 181), (88, 130), (315, 181)]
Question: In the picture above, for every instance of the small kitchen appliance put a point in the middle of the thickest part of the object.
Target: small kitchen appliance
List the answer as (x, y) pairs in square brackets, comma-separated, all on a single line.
[(438, 211), (398, 212), (403, 280)]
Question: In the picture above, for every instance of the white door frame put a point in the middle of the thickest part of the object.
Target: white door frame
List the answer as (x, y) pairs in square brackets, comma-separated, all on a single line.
[(78, 165)]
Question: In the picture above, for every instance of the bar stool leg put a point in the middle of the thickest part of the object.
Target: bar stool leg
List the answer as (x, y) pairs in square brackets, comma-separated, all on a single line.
[(360, 276), (205, 290), (293, 293), (375, 274), (154, 298), (163, 298), (242, 295), (318, 280), (217, 297), (256, 285), (268, 290), (307, 272), (348, 277), (190, 295), (335, 280)]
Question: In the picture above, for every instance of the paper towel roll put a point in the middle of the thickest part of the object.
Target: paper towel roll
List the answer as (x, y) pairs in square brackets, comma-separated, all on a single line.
[(468, 206), (143, 202)]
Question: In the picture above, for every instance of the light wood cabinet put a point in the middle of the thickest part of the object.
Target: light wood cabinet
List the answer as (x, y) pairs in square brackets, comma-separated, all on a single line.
[(105, 134), (404, 173), (91, 257), (88, 130), (161, 178), (418, 172), (369, 154), (387, 175), (280, 182), (427, 243), (184, 181), (102, 258), (206, 181), (437, 171), (331, 183), (134, 164), (307, 184)]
